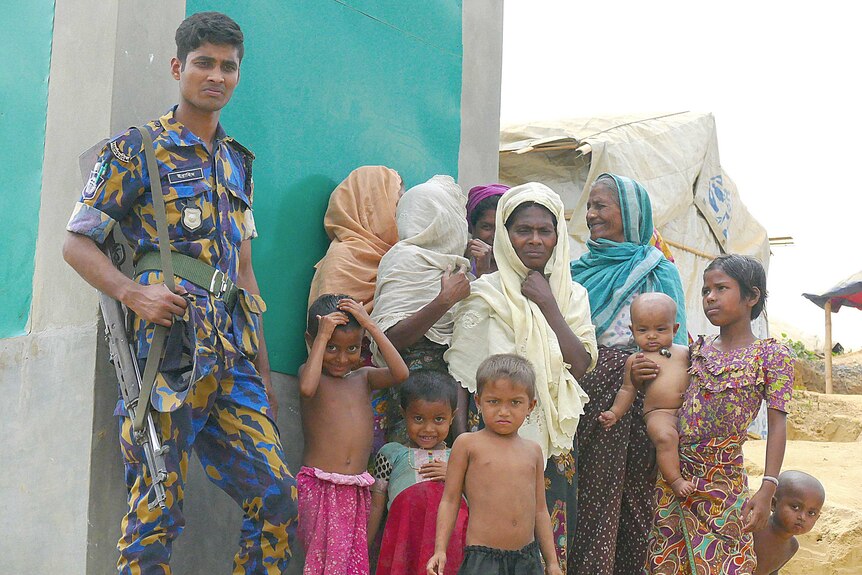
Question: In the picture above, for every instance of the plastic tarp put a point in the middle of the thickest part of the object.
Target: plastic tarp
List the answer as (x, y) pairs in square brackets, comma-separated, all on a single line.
[(696, 206), (845, 293)]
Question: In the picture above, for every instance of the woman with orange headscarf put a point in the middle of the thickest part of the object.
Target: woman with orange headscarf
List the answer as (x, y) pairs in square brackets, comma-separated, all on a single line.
[(360, 221)]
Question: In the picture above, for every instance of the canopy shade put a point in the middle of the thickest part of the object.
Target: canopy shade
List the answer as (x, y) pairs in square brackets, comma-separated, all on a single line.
[(847, 292)]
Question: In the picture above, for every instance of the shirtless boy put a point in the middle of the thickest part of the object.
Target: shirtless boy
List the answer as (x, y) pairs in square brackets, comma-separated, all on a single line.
[(502, 477), (654, 327), (795, 509), (333, 484)]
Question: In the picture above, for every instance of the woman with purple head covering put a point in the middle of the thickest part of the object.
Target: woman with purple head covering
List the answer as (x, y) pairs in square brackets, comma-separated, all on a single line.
[(481, 217)]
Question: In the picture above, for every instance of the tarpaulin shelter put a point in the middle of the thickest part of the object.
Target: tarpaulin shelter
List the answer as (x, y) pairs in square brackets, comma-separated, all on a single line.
[(847, 292), (696, 206), (844, 293)]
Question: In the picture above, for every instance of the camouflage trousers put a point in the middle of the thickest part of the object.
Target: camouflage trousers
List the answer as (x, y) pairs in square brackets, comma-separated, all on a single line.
[(222, 420)]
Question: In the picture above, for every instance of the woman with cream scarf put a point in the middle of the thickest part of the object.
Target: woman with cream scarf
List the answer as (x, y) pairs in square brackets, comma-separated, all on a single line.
[(531, 307)]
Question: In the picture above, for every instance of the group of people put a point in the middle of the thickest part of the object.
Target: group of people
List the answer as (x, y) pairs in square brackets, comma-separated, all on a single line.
[(473, 401), (640, 434)]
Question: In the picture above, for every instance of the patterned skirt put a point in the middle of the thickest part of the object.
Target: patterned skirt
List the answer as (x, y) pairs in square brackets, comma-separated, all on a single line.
[(703, 534)]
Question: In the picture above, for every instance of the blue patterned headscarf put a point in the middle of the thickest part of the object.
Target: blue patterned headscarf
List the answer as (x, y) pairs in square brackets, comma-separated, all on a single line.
[(613, 271)]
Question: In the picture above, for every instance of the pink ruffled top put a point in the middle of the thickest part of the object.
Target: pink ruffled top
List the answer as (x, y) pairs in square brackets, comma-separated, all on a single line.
[(726, 388)]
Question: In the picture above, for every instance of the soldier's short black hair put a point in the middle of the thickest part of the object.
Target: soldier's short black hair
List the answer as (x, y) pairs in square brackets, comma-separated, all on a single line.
[(203, 27)]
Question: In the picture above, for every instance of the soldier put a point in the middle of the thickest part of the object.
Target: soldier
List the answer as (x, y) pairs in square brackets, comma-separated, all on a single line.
[(227, 413)]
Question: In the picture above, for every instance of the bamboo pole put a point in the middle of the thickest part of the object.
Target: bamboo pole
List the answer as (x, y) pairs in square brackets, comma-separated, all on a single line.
[(828, 350)]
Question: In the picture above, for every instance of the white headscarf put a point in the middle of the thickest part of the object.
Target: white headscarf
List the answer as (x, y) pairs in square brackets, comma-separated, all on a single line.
[(432, 237), (497, 318)]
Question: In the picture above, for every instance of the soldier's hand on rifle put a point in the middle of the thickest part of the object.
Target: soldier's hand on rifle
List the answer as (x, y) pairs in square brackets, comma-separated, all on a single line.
[(156, 303)]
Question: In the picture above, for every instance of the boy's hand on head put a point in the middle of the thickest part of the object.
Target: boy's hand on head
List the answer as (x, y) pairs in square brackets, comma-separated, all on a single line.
[(643, 370), (434, 470), (607, 419), (329, 322), (454, 286), (356, 309), (436, 564)]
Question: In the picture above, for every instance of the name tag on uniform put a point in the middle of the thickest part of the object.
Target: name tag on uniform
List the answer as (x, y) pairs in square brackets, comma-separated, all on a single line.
[(183, 176)]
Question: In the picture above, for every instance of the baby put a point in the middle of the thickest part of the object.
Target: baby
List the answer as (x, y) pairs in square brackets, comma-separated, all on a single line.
[(654, 327), (795, 509), (502, 476), (337, 420)]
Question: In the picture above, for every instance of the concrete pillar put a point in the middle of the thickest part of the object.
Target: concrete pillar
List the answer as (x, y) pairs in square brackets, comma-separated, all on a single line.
[(47, 376), (482, 69)]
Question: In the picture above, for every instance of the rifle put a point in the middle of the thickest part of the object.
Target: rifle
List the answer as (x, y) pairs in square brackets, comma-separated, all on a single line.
[(117, 332)]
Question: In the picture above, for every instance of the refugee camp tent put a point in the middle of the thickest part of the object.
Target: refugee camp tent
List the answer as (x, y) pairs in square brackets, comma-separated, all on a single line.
[(696, 206), (844, 293)]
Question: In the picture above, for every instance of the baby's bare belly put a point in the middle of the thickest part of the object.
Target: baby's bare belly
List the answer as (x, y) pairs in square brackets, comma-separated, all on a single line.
[(662, 397)]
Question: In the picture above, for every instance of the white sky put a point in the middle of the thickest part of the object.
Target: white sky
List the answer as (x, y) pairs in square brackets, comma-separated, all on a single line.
[(781, 78)]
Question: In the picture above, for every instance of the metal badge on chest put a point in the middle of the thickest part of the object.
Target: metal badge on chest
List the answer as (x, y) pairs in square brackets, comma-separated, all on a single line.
[(192, 215), (192, 218)]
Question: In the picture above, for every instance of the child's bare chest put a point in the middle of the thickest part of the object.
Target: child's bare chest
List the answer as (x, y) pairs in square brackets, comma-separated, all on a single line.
[(516, 469), (344, 394)]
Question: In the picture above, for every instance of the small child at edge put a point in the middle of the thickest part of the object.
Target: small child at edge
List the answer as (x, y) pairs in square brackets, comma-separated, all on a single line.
[(795, 509), (502, 476), (654, 327), (337, 420)]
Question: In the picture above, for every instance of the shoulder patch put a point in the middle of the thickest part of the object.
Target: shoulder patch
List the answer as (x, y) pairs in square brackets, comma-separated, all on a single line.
[(126, 146), (115, 149), (129, 144), (241, 149)]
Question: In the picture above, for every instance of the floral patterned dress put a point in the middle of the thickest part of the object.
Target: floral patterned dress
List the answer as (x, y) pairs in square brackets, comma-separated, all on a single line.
[(703, 534)]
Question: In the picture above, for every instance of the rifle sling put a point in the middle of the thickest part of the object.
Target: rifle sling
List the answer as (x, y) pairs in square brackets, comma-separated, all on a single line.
[(160, 334)]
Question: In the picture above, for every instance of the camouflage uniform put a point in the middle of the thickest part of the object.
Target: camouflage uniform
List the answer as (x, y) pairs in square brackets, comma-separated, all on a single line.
[(224, 415)]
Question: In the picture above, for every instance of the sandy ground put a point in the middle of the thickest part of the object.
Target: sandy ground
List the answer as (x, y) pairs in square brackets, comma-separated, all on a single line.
[(824, 439)]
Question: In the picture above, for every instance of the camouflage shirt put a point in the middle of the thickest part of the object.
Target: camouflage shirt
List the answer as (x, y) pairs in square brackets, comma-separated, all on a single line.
[(208, 199)]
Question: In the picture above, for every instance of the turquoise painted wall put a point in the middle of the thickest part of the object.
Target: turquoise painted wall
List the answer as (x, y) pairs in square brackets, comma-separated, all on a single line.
[(327, 86), (23, 113)]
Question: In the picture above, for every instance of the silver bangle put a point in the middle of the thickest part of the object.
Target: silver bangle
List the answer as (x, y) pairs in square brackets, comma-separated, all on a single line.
[(771, 479)]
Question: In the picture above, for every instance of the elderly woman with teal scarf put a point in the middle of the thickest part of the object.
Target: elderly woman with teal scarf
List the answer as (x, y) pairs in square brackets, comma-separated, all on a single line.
[(616, 467)]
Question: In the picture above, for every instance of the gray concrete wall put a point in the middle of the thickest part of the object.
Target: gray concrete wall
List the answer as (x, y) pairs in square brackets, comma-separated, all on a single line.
[(62, 479)]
